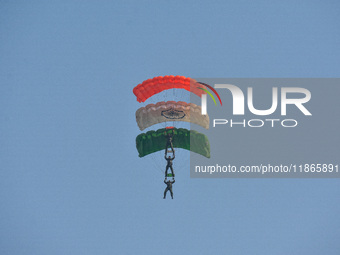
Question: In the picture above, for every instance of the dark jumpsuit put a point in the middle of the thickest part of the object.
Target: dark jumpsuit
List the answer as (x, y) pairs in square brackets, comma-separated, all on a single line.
[(169, 165), (169, 144), (169, 187)]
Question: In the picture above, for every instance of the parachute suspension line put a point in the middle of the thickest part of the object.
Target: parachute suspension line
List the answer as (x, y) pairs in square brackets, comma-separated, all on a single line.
[(169, 92), (182, 97), (173, 96), (166, 96), (155, 158)]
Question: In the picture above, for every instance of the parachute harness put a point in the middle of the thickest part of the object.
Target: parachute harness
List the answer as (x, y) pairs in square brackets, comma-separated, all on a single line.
[(169, 134)]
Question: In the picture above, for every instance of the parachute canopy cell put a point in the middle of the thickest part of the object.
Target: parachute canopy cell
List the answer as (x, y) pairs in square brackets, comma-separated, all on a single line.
[(170, 111), (154, 141), (150, 87)]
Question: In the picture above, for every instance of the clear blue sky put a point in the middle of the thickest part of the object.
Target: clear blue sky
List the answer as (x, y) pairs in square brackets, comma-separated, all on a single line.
[(70, 178)]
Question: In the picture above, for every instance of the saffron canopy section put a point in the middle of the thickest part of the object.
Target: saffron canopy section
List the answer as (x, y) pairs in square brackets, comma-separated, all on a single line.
[(153, 86), (170, 111), (153, 141)]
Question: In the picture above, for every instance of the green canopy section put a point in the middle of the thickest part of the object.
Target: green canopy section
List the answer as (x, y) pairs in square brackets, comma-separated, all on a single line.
[(192, 140)]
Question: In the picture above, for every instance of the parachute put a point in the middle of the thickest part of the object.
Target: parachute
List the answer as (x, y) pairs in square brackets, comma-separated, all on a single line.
[(162, 143), (158, 84), (153, 141), (170, 111)]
